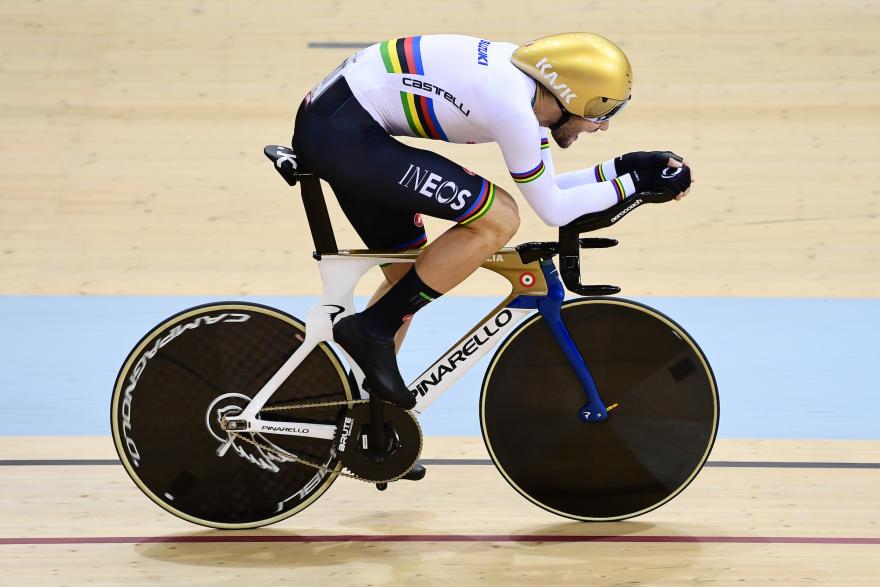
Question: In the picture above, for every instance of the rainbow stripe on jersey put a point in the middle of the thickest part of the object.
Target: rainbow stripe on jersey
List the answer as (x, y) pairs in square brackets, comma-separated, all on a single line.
[(530, 175), (405, 56)]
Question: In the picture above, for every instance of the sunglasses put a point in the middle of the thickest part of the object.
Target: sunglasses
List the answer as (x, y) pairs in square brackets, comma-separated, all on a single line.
[(609, 114)]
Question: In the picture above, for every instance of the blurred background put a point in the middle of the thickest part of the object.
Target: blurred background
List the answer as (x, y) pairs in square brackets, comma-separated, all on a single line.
[(132, 184)]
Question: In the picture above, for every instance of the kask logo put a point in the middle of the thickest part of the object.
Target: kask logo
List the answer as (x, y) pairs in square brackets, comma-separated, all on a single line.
[(431, 185), (546, 71)]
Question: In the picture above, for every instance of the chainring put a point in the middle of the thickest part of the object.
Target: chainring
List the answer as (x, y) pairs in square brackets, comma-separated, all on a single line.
[(404, 437)]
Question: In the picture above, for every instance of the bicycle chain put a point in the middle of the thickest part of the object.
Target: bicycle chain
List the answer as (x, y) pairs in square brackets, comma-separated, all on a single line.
[(298, 459)]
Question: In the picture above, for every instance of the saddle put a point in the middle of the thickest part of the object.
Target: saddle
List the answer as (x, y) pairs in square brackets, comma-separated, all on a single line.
[(286, 163)]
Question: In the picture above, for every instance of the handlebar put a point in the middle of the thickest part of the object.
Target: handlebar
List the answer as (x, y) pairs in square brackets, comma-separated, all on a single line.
[(570, 241)]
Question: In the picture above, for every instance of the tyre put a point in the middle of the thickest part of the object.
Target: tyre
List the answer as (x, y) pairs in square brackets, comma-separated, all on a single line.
[(661, 425), (209, 361)]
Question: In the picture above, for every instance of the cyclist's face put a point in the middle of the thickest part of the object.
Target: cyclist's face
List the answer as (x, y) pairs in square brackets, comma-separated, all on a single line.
[(568, 133)]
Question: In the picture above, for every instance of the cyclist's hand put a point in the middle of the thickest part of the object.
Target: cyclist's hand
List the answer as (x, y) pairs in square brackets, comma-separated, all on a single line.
[(646, 160), (662, 185), (687, 191)]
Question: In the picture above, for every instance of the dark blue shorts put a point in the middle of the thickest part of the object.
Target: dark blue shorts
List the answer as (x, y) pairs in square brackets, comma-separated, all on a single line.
[(382, 185)]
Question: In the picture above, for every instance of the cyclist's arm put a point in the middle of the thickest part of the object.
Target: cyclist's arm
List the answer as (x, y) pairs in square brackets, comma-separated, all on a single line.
[(546, 156), (601, 172), (519, 138)]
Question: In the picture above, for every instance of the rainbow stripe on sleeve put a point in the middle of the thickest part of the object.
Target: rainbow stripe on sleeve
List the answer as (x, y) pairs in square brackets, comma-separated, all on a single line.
[(530, 175), (545, 143), (619, 189), (599, 173), (405, 56)]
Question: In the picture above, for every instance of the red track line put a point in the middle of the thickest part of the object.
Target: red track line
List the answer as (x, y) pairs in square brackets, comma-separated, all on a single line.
[(245, 538)]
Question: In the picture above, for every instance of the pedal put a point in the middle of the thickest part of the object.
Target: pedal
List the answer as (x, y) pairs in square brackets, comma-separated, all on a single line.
[(417, 473)]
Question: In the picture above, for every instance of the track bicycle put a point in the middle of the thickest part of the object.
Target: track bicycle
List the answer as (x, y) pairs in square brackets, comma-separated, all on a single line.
[(238, 415)]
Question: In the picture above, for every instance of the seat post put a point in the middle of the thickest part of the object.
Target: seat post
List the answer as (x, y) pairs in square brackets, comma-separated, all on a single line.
[(317, 215)]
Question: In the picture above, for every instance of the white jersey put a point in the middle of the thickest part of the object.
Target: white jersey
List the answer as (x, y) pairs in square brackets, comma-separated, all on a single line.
[(466, 90)]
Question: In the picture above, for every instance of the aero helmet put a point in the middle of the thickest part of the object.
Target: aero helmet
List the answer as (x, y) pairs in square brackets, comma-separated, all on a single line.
[(588, 74)]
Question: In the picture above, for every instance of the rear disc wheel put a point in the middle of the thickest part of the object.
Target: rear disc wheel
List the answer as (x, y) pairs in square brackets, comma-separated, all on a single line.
[(208, 362)]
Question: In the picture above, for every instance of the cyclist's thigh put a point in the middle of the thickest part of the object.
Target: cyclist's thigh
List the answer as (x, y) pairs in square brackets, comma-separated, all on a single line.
[(381, 227), (409, 178), (364, 161)]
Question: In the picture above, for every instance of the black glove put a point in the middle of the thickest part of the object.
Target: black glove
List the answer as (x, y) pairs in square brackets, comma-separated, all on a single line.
[(643, 160), (661, 185)]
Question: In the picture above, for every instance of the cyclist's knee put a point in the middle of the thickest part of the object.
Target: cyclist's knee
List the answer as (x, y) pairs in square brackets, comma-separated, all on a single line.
[(502, 219), (504, 214)]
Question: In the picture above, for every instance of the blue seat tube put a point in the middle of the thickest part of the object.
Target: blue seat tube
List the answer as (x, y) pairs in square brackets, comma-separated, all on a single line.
[(550, 309)]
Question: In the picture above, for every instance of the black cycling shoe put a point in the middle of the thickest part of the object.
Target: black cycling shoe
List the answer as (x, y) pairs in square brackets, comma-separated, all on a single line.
[(377, 359), (417, 473)]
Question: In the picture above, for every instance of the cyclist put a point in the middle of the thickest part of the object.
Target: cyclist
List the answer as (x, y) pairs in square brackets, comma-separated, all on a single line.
[(462, 89)]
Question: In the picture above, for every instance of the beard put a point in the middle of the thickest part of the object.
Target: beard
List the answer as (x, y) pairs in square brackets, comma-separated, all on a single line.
[(565, 135)]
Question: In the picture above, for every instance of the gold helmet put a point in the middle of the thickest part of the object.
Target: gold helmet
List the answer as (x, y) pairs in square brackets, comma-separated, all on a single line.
[(587, 73)]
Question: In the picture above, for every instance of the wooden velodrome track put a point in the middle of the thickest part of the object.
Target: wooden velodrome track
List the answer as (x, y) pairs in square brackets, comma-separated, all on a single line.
[(131, 164)]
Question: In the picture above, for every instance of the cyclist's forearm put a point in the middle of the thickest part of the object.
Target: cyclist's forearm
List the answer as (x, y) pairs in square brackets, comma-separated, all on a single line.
[(598, 173), (557, 207)]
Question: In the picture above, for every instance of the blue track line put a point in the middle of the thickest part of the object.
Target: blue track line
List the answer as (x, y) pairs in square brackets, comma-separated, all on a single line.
[(786, 368)]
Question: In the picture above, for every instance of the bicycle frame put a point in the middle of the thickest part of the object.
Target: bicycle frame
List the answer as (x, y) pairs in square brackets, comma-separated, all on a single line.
[(535, 286)]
